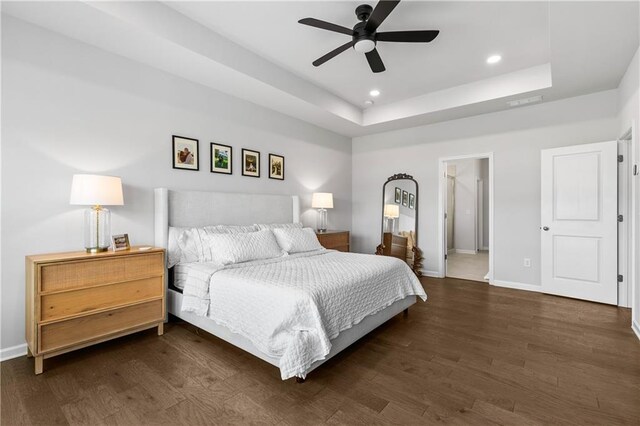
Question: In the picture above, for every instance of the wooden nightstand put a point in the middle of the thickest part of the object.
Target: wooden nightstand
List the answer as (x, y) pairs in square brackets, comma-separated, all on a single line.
[(335, 240), (77, 299)]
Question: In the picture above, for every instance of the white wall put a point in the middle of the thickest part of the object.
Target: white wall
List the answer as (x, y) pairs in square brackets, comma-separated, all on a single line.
[(464, 219), (515, 137), (71, 108), (629, 115)]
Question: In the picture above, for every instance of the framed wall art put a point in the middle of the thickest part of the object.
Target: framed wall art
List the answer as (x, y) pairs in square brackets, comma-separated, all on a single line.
[(185, 153), (250, 163), (398, 198), (412, 201), (405, 198), (221, 158), (276, 167)]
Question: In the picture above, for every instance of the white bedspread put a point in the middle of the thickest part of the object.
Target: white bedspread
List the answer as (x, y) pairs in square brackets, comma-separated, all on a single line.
[(290, 307)]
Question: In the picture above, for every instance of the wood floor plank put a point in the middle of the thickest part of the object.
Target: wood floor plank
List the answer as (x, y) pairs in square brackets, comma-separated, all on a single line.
[(472, 354)]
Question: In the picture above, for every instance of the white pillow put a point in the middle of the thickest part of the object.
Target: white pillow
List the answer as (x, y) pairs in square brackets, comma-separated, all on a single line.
[(297, 240), (175, 254), (272, 226), (185, 245), (227, 249), (189, 246)]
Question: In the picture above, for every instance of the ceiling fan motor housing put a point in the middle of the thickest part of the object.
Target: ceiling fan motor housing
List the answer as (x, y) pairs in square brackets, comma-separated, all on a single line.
[(364, 40)]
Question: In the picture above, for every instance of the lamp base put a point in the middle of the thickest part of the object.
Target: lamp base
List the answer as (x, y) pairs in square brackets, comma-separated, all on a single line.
[(97, 229), (97, 249), (322, 220)]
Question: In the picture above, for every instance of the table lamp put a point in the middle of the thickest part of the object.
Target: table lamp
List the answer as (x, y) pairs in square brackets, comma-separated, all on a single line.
[(391, 213), (96, 191), (322, 201)]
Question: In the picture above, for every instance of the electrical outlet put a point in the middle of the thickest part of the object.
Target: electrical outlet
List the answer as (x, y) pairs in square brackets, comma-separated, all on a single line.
[(527, 262)]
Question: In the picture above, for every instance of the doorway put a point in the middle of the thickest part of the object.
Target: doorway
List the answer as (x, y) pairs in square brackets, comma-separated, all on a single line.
[(466, 204)]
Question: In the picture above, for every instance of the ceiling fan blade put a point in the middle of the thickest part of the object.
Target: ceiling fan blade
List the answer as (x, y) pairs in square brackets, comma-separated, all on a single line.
[(375, 61), (380, 13), (312, 22), (333, 53), (408, 36)]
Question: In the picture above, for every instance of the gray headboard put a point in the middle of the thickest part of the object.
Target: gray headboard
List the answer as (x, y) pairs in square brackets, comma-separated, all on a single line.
[(200, 208)]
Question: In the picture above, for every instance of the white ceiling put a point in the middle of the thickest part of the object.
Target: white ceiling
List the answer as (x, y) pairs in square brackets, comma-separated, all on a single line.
[(258, 52), (469, 33)]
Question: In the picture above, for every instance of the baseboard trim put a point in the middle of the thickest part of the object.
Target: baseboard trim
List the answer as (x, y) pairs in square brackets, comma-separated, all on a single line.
[(432, 274), (636, 328), (485, 248), (517, 286), (13, 352), (463, 251), (451, 250)]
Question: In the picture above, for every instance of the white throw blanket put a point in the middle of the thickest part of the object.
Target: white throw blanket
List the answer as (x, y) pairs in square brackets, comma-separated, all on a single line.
[(291, 307)]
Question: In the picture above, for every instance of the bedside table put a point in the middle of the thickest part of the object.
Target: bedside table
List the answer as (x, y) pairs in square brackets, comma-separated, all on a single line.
[(334, 240), (77, 299)]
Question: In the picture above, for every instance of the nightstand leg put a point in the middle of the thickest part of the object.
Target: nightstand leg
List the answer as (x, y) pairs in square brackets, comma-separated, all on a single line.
[(29, 354), (160, 329), (39, 364)]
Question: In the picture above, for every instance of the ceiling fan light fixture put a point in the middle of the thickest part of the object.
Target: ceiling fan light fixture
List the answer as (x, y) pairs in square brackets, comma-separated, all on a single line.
[(494, 59), (364, 46)]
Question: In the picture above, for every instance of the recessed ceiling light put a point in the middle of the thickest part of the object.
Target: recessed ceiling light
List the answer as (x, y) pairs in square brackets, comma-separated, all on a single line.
[(368, 102), (494, 59), (374, 93)]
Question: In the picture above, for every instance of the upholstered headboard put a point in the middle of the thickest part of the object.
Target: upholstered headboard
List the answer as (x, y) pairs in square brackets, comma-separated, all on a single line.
[(200, 208)]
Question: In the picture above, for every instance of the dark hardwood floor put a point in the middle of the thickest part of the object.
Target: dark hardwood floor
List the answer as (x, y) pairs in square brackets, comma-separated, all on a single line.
[(472, 354)]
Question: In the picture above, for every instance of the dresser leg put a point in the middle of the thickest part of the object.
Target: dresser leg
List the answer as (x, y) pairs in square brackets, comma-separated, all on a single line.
[(405, 313), (29, 354), (39, 364), (160, 329)]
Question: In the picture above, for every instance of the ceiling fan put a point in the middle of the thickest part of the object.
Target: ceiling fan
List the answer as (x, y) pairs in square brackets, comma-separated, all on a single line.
[(364, 36)]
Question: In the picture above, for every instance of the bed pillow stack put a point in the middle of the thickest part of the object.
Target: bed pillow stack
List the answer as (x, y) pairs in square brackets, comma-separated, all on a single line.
[(297, 240), (230, 244)]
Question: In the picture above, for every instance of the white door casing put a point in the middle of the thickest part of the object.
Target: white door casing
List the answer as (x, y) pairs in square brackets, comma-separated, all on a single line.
[(579, 239)]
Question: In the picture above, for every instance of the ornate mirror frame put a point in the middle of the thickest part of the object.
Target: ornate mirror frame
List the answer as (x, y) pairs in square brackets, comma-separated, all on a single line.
[(417, 252)]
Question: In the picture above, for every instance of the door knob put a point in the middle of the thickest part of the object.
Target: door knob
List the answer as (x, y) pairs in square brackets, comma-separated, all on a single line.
[(545, 228)]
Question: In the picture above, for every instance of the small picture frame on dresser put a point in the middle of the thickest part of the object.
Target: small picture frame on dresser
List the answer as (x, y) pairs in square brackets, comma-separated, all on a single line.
[(120, 242)]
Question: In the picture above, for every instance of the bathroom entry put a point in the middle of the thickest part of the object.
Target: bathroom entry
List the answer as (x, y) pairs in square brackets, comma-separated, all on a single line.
[(467, 219)]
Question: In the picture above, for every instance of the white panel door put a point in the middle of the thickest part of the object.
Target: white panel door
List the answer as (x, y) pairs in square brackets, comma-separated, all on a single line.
[(579, 222)]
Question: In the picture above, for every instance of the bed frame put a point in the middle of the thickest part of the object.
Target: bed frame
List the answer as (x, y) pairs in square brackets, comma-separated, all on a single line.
[(196, 209)]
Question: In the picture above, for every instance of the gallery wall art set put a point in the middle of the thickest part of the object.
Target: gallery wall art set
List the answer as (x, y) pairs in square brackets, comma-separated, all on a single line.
[(186, 156)]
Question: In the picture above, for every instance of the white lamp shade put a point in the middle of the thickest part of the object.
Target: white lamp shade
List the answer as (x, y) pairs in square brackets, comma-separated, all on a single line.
[(391, 210), (322, 200), (93, 190)]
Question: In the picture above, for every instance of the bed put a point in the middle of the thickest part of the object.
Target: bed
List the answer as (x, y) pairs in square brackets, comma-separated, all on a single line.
[(322, 339)]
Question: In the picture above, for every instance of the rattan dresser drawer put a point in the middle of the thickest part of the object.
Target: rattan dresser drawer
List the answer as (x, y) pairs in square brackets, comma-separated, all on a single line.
[(88, 272), (63, 304), (82, 329)]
